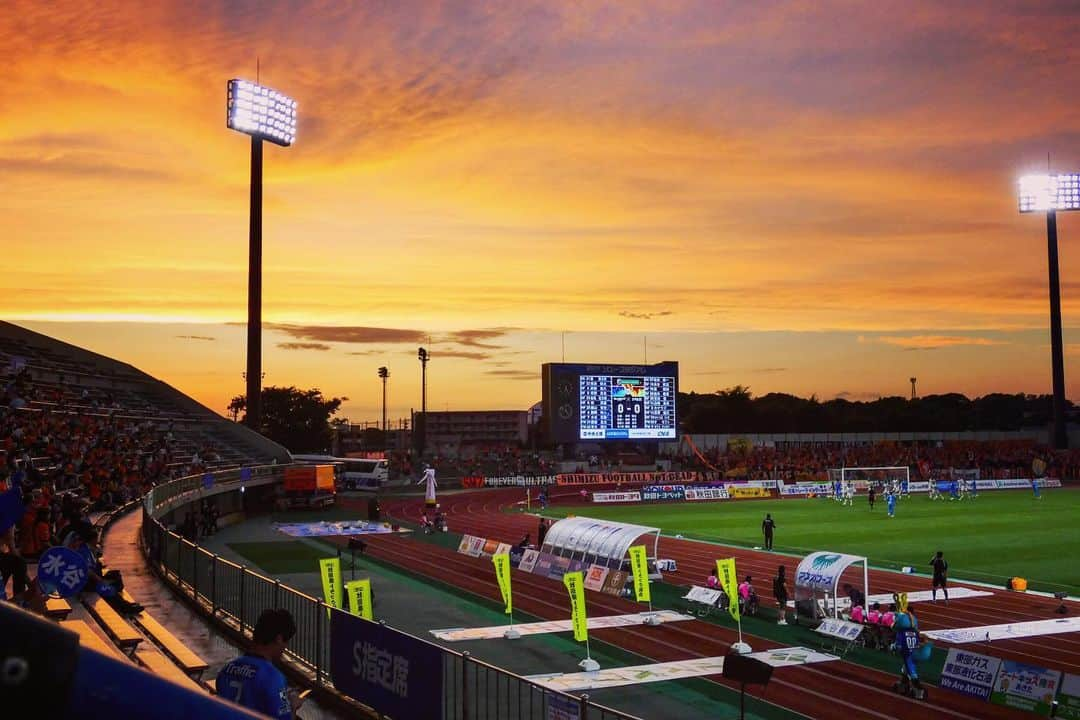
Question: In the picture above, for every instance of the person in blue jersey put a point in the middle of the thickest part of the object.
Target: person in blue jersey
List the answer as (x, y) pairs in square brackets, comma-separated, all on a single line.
[(252, 680), (912, 652), (890, 502)]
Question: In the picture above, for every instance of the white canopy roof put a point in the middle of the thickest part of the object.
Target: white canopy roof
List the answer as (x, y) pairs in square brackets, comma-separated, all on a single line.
[(603, 538), (821, 571)]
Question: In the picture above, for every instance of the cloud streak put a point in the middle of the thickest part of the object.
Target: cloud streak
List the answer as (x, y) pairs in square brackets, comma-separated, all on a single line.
[(322, 347), (933, 342)]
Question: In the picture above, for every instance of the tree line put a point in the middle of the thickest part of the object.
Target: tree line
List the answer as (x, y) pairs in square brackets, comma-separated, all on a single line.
[(737, 410)]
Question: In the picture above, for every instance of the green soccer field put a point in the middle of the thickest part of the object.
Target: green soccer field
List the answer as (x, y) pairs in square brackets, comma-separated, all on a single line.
[(999, 535)]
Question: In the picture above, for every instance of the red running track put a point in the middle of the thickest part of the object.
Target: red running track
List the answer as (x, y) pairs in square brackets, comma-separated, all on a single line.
[(487, 513), (833, 690)]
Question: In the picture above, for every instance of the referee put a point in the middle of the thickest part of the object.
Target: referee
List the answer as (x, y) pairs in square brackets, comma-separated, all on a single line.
[(941, 569)]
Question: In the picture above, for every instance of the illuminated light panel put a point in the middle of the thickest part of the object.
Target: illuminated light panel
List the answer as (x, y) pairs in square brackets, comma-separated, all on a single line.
[(1040, 193), (261, 112)]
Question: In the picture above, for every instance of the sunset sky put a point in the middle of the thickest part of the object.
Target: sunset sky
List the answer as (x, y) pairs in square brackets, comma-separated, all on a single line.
[(808, 197)]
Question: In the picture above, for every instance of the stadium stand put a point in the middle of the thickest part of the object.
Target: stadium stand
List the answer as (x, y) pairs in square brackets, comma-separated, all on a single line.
[(82, 437)]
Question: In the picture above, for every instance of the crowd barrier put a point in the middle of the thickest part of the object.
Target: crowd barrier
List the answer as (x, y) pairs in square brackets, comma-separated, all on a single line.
[(390, 672)]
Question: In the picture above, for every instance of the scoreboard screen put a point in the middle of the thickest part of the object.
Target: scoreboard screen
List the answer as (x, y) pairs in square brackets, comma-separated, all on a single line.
[(584, 403)]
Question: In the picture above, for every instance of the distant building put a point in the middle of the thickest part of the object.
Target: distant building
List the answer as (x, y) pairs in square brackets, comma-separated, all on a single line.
[(475, 427)]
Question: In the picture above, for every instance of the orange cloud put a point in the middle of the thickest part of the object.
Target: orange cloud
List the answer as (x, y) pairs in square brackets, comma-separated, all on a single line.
[(933, 342)]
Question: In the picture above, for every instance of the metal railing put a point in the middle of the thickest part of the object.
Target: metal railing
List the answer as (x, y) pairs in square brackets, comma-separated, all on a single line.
[(233, 596)]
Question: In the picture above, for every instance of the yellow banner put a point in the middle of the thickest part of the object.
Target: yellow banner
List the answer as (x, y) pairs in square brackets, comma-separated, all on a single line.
[(639, 565), (747, 492), (575, 585), (502, 574), (330, 569), (725, 571), (359, 592)]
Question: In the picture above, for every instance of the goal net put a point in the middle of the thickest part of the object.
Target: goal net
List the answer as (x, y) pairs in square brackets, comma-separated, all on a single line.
[(882, 478)]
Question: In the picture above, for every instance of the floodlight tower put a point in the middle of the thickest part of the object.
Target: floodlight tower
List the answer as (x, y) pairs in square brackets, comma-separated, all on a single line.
[(1050, 193), (264, 114), (420, 429), (384, 373)]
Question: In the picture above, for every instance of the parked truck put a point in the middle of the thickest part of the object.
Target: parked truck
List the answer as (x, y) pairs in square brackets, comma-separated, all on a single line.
[(310, 486)]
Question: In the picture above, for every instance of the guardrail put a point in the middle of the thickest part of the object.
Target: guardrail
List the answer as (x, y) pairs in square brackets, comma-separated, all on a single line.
[(232, 596)]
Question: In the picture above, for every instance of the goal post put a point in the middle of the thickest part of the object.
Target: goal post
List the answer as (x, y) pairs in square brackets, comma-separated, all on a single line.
[(863, 477)]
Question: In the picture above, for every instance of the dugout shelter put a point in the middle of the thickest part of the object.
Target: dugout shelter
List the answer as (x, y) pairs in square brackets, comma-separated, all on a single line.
[(601, 542), (818, 579)]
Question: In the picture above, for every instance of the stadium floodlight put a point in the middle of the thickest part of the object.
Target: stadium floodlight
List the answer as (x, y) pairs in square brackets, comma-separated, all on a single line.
[(261, 112), (1049, 193), (1042, 193), (264, 114)]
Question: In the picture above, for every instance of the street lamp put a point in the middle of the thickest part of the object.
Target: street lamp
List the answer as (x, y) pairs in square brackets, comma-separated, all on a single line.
[(384, 373), (264, 114), (421, 429), (1050, 193)]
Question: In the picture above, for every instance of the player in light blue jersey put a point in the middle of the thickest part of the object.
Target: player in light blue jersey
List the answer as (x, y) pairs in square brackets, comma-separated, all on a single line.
[(252, 680)]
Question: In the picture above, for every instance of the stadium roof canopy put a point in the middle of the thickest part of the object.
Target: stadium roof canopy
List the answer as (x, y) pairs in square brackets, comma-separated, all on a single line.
[(597, 542)]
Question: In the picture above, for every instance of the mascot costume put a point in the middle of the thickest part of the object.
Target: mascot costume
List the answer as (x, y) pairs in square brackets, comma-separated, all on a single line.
[(906, 626)]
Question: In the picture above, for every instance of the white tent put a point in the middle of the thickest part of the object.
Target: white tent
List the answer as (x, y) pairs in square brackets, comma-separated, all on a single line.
[(599, 542), (819, 574)]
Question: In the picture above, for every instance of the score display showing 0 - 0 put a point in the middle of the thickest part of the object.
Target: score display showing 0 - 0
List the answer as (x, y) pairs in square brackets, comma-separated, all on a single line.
[(614, 407)]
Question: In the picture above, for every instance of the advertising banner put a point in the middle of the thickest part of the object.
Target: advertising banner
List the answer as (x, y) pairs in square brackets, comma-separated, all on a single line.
[(725, 572), (707, 493), (528, 560), (741, 491), (969, 673), (1026, 687), (389, 671), (333, 593), (559, 567), (663, 492), (562, 707), (634, 478), (543, 564), (614, 582), (1069, 698), (359, 592), (595, 577), (490, 548), (509, 481), (639, 564), (502, 575), (463, 546), (616, 497), (575, 585), (807, 489)]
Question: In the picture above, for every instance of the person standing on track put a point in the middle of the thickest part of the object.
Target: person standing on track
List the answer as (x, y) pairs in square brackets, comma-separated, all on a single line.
[(541, 533), (768, 525), (941, 569), (779, 588)]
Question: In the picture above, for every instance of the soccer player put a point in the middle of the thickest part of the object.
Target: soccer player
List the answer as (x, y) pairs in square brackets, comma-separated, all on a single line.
[(890, 502), (871, 495), (904, 487), (836, 491), (252, 680), (941, 569), (849, 492)]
